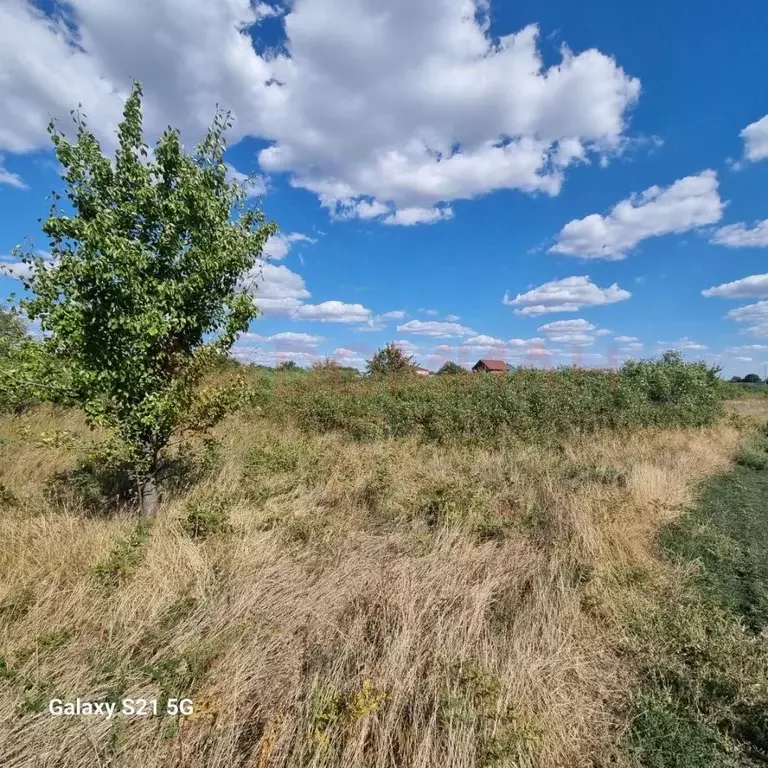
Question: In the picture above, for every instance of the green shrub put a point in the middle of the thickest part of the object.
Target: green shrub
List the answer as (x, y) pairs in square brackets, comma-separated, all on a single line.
[(206, 517), (754, 452), (526, 403), (753, 459), (124, 558)]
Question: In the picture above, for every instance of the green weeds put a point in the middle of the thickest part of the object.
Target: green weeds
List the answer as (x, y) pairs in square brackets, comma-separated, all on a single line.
[(124, 558)]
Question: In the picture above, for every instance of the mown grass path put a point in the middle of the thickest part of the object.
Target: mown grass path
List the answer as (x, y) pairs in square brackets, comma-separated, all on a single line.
[(728, 535), (703, 655)]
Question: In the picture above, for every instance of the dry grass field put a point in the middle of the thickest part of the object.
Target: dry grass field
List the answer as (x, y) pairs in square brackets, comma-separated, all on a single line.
[(331, 603)]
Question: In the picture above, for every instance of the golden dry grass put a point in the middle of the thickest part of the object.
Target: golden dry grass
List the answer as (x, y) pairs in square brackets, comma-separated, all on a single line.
[(386, 604)]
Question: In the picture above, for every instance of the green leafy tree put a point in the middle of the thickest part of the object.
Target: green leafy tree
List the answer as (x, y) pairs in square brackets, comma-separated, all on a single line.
[(390, 360), (13, 332), (736, 379), (450, 368), (751, 378), (16, 347), (288, 365), (144, 286)]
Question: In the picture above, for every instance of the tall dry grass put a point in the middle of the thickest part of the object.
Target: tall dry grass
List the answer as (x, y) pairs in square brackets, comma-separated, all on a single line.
[(385, 604)]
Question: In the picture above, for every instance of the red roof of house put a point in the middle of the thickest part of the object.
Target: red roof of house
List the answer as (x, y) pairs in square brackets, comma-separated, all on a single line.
[(493, 365)]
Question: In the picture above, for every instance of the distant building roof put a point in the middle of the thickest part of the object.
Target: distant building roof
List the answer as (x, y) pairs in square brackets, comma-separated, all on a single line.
[(492, 365)]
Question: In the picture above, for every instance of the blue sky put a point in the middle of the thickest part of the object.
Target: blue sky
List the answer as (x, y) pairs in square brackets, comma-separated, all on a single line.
[(544, 182)]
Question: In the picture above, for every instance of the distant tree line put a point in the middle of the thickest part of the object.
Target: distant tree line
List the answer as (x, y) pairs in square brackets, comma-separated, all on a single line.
[(389, 360), (750, 378)]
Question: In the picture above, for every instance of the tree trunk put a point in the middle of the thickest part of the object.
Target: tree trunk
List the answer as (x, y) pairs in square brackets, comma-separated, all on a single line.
[(148, 496)]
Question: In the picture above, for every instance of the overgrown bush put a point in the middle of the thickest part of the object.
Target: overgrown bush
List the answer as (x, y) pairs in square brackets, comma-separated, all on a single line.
[(526, 403), (206, 516)]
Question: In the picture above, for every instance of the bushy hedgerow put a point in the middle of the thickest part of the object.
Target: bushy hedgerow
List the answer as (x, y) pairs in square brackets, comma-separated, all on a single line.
[(526, 403)]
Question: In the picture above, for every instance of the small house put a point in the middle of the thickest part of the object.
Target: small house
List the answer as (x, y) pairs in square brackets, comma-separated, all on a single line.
[(422, 371), (490, 366)]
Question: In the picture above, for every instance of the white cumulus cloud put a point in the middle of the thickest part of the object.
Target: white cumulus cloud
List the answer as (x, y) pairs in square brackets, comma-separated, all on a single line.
[(742, 236), (752, 287), (278, 246), (286, 339), (578, 331), (254, 186), (407, 346), (568, 295), (333, 312), (684, 343), (755, 137), (434, 328), (407, 217), (387, 111), (757, 314), (10, 179), (278, 292), (688, 203)]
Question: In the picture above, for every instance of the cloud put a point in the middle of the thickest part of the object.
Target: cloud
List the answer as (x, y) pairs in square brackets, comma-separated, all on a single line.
[(378, 322), (684, 343), (363, 209), (430, 312), (688, 203), (254, 186), (284, 339), (483, 342), (434, 328), (348, 357), (16, 269), (752, 287), (277, 291), (570, 332), (568, 326), (333, 312), (452, 318), (567, 295), (525, 343), (741, 236), (748, 348), (626, 339), (407, 217), (12, 267), (265, 11), (744, 359), (11, 179), (755, 137), (753, 313), (387, 114), (408, 347), (278, 245)]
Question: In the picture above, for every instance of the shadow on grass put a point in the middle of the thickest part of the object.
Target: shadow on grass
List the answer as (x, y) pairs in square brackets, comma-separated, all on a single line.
[(94, 489)]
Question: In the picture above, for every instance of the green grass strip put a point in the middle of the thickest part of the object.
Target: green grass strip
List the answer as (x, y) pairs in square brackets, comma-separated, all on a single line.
[(703, 657)]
